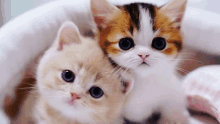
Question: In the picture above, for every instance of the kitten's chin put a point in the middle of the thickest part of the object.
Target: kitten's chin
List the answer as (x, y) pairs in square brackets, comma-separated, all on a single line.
[(142, 66), (137, 67)]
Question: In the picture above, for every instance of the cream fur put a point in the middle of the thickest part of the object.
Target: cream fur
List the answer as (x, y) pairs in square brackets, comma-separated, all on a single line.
[(84, 57)]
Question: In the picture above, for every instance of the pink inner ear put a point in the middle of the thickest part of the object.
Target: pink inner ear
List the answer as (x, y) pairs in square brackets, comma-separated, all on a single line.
[(179, 18), (60, 45), (100, 21), (126, 87)]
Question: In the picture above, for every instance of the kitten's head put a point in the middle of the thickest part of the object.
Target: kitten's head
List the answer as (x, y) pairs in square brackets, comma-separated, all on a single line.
[(76, 79), (139, 34)]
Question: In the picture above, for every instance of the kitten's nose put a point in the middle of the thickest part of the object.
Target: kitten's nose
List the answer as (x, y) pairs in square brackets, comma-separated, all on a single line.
[(143, 55), (74, 96)]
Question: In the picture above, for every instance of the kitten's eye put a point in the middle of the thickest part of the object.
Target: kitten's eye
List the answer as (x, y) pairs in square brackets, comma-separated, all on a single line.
[(159, 43), (68, 76), (126, 43), (96, 92)]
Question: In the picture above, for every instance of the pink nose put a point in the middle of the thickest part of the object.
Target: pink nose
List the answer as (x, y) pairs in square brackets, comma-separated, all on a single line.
[(143, 55), (74, 96)]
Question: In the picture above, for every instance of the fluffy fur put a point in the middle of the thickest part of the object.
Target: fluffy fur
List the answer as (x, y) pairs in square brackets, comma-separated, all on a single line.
[(86, 60), (23, 38), (156, 89), (26, 36)]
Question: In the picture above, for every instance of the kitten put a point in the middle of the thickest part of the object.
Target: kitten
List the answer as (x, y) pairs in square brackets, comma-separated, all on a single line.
[(76, 82), (147, 40)]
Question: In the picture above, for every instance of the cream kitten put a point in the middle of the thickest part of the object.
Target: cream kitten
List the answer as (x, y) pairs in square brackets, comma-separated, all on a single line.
[(147, 40), (76, 82)]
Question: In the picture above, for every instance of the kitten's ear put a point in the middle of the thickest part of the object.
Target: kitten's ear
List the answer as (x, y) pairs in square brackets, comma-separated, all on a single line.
[(68, 33), (102, 12), (175, 10), (127, 84)]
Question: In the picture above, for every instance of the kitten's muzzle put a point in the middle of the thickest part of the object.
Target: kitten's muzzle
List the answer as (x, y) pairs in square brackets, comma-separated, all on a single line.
[(74, 96), (143, 55)]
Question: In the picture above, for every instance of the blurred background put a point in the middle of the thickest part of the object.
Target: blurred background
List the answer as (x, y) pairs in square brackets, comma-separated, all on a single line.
[(12, 8)]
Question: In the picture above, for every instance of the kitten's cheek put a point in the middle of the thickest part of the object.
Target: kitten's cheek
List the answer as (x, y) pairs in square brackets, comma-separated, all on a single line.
[(71, 102), (135, 64)]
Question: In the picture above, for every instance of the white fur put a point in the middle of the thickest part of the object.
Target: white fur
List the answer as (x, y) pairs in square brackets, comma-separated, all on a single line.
[(156, 87), (146, 34), (3, 118)]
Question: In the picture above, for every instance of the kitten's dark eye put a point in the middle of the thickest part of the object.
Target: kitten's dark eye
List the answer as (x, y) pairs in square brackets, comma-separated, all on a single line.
[(96, 92), (68, 76), (126, 43), (159, 43)]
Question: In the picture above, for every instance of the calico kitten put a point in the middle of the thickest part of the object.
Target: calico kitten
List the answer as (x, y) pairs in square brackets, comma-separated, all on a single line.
[(147, 40), (76, 82)]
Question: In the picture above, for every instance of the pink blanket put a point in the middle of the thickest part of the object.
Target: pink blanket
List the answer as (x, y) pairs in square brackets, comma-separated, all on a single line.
[(202, 87)]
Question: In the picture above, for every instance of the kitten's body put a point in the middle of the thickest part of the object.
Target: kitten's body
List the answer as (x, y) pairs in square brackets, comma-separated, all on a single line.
[(157, 90), (71, 102), (147, 40)]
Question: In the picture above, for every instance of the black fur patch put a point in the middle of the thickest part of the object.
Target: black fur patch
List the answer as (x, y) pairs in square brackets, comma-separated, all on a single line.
[(107, 43), (133, 10), (126, 121), (131, 28), (178, 44), (115, 65), (155, 117)]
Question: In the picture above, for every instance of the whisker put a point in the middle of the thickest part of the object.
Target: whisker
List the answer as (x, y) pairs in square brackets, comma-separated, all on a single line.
[(191, 60), (101, 116), (182, 70), (26, 88), (183, 53)]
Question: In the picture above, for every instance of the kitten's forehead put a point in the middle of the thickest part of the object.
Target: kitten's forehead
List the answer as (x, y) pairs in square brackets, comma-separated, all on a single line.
[(95, 68), (84, 54), (89, 69), (150, 22), (138, 12), (146, 29), (143, 17)]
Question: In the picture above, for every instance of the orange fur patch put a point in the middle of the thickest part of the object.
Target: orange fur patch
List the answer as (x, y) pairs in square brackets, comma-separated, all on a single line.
[(169, 32), (116, 29), (171, 49)]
